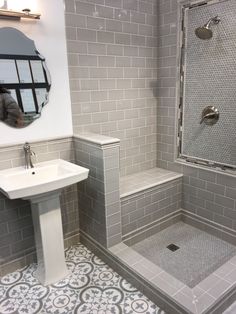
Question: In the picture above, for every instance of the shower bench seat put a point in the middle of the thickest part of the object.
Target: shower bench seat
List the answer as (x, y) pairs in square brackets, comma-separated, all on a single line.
[(144, 180), (149, 199)]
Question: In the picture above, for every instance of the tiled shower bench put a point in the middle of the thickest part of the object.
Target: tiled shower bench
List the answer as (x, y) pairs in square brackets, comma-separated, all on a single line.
[(150, 201)]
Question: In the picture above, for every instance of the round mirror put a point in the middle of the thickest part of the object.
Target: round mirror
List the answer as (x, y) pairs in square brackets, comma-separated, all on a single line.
[(24, 79)]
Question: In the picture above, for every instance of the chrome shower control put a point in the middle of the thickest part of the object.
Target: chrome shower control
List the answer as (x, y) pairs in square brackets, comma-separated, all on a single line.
[(210, 115)]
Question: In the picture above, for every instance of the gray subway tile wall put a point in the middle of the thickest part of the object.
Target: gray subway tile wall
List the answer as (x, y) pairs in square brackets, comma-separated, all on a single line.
[(113, 78), (213, 200), (16, 227)]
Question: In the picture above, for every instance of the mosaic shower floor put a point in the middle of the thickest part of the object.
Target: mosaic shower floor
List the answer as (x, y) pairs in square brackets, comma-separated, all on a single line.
[(91, 288), (198, 255)]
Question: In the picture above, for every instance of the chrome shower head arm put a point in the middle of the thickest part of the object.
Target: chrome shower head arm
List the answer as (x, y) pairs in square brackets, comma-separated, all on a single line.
[(214, 20)]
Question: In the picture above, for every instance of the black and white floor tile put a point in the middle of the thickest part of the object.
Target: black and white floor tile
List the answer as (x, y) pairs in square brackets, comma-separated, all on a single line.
[(91, 288)]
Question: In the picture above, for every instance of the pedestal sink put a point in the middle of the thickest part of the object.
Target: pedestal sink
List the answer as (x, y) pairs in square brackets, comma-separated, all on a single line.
[(42, 185)]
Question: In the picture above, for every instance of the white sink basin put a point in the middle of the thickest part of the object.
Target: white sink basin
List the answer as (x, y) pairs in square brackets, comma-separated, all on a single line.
[(44, 177), (42, 185)]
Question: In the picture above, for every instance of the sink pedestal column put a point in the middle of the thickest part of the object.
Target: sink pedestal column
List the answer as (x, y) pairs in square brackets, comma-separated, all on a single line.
[(48, 232)]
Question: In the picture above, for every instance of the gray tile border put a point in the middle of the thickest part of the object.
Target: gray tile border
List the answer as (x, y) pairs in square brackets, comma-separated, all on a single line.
[(185, 301), (226, 269), (164, 286), (209, 282), (219, 289), (140, 268), (231, 277), (129, 256), (193, 293), (197, 300), (204, 302)]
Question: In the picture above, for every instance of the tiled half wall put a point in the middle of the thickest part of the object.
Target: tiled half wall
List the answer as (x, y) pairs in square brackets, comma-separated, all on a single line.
[(99, 195)]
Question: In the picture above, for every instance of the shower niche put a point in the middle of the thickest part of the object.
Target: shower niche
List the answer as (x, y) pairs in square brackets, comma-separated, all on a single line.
[(207, 91)]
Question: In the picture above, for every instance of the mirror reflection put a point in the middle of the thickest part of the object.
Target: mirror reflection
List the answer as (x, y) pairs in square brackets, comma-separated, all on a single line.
[(10, 111), (24, 79)]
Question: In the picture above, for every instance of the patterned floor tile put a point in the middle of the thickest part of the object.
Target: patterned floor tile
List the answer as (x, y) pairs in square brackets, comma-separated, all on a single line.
[(91, 288)]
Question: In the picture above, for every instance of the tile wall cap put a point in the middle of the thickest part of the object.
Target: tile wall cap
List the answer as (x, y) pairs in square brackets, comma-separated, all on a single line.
[(97, 138)]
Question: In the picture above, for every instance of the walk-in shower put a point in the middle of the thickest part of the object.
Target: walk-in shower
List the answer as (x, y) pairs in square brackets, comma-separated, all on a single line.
[(206, 131), (178, 229)]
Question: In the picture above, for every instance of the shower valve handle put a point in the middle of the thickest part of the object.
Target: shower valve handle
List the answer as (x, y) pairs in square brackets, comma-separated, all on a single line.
[(210, 115)]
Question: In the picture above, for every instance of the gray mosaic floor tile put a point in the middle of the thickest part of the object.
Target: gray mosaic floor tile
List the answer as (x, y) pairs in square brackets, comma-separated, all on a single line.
[(199, 253), (91, 288)]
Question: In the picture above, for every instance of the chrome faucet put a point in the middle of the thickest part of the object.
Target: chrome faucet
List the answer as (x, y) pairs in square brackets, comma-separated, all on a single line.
[(28, 154)]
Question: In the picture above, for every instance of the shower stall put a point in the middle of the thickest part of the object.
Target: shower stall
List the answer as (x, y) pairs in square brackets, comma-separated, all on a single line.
[(171, 224), (189, 252)]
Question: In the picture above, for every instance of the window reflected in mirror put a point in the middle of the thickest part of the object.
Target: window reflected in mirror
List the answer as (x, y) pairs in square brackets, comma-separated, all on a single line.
[(24, 79)]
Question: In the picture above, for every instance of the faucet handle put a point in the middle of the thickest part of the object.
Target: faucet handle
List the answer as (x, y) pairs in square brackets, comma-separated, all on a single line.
[(27, 149), (28, 154), (26, 146)]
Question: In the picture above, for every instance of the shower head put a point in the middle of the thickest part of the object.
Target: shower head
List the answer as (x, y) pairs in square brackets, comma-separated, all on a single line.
[(205, 32)]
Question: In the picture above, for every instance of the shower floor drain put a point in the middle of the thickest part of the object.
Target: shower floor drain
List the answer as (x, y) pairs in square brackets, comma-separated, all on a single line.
[(172, 247)]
